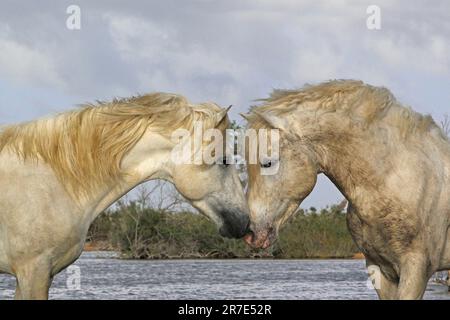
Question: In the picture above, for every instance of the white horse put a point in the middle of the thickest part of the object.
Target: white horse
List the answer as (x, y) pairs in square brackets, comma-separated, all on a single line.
[(57, 174), (392, 165)]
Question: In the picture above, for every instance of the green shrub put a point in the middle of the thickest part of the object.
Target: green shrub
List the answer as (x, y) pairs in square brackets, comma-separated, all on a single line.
[(145, 233), (316, 235)]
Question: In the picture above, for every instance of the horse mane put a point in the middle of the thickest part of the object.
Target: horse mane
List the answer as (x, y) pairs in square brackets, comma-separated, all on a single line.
[(85, 147), (363, 103)]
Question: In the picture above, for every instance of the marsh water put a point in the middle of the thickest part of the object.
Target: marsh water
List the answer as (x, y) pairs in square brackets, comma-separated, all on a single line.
[(100, 275)]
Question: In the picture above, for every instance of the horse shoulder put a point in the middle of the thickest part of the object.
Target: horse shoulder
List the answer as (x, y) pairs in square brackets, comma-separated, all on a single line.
[(37, 216)]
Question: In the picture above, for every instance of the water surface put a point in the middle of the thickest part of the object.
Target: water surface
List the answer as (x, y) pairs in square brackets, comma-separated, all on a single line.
[(104, 277)]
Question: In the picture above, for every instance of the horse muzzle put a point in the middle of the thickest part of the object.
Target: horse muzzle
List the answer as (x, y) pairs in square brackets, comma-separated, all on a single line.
[(234, 225), (260, 238)]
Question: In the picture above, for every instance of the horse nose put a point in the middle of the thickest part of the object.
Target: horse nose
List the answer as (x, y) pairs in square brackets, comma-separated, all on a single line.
[(249, 236), (235, 225)]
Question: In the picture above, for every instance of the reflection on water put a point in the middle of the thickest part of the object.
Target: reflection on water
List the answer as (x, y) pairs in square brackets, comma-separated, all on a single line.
[(104, 277)]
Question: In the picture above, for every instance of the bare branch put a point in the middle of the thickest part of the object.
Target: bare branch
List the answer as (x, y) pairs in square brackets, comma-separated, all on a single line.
[(445, 124)]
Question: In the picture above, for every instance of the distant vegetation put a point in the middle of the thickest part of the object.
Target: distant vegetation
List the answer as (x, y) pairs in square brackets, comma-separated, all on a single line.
[(140, 232)]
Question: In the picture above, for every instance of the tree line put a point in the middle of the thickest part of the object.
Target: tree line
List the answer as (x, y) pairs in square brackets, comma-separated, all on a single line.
[(138, 230)]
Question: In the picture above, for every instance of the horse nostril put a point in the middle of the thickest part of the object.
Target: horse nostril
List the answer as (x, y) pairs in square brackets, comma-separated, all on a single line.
[(249, 236)]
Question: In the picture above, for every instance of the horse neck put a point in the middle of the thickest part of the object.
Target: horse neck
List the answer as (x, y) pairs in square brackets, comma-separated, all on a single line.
[(146, 161), (351, 157)]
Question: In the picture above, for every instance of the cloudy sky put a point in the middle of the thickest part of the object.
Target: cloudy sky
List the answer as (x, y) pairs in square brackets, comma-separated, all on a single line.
[(231, 52)]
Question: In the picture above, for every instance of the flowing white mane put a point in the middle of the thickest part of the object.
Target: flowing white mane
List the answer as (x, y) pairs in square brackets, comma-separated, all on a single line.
[(363, 103), (85, 147)]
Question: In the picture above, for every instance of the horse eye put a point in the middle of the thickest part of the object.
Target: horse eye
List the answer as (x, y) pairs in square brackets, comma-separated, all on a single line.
[(267, 164)]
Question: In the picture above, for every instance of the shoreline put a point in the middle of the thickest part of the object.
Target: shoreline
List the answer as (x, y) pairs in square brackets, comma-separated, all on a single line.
[(105, 246)]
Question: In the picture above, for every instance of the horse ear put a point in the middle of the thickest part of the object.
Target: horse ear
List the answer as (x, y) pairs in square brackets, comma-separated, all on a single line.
[(246, 116), (274, 121), (221, 115)]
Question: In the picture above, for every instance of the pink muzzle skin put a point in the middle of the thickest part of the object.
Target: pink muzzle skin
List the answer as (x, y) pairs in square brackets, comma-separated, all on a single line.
[(261, 239)]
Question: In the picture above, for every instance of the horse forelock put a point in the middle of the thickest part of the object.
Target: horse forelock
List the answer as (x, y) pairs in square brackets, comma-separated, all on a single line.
[(85, 147)]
